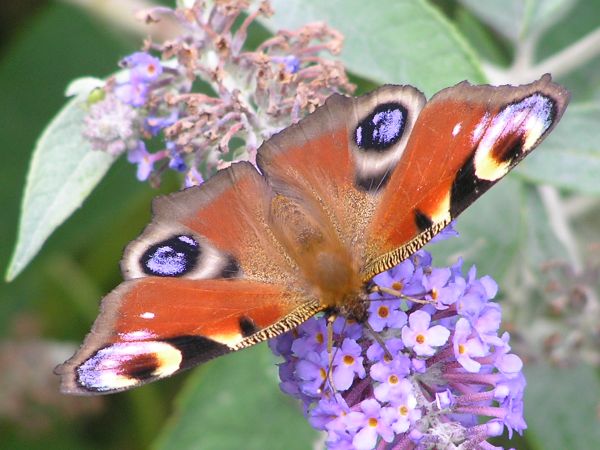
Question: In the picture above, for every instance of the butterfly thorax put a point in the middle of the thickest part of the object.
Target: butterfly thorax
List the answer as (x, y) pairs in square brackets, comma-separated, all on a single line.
[(329, 268), (338, 283)]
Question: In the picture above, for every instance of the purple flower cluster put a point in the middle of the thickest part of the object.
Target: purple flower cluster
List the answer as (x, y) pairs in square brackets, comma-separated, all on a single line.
[(151, 111), (444, 377), (134, 109)]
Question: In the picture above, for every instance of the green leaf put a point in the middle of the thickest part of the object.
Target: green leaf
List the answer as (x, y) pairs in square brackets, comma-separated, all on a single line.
[(584, 81), (518, 19), (490, 232), (541, 243), (545, 13), (391, 41), (482, 38), (506, 230), (234, 402), (561, 407), (504, 17), (64, 169), (570, 157)]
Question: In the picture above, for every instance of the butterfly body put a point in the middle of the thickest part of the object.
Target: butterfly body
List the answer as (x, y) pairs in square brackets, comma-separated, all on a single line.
[(347, 193)]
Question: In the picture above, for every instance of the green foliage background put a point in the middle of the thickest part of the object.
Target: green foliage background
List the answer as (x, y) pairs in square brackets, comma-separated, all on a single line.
[(234, 402)]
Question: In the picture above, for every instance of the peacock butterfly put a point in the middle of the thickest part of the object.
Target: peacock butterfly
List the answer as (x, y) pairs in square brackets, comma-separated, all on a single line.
[(348, 192)]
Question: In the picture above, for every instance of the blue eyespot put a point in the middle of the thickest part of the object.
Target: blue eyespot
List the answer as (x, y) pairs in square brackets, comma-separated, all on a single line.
[(172, 257), (382, 128)]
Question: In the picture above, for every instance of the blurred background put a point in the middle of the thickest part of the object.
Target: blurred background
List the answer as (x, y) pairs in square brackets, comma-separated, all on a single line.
[(544, 252)]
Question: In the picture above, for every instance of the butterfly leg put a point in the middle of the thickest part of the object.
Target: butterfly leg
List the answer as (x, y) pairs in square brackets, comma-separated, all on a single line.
[(330, 318), (377, 338)]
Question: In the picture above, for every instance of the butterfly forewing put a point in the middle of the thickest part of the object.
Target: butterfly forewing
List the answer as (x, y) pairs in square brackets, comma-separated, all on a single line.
[(465, 140)]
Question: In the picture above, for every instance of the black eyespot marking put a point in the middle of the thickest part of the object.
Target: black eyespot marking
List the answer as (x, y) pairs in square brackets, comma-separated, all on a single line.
[(196, 349), (142, 367), (516, 118), (466, 188), (131, 360), (247, 326), (172, 257), (372, 183), (511, 149), (231, 269), (382, 128), (422, 220)]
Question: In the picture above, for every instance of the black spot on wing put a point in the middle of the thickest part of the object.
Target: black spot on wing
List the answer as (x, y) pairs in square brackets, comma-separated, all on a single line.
[(536, 105), (231, 269), (381, 128), (466, 188), (247, 326), (141, 367), (372, 183), (171, 257), (510, 150), (112, 360), (196, 349), (422, 221)]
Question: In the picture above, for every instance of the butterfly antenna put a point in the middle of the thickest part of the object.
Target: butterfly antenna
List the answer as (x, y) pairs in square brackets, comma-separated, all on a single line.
[(395, 293), (377, 338)]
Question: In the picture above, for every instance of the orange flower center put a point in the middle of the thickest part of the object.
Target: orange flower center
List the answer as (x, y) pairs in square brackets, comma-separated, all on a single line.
[(372, 422), (323, 373), (420, 339), (393, 379), (319, 338), (403, 410), (397, 285), (461, 349), (348, 360), (383, 311)]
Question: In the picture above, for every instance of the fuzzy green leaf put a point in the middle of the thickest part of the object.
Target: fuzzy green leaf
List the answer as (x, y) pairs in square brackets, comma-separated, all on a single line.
[(489, 230), (563, 406), (517, 19), (234, 402), (64, 169)]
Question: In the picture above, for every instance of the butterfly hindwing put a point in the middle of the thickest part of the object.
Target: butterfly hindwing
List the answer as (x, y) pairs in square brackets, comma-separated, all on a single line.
[(152, 327)]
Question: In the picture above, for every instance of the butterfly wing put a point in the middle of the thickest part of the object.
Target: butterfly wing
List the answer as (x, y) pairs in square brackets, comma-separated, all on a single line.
[(149, 328), (205, 278), (337, 161), (465, 140)]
